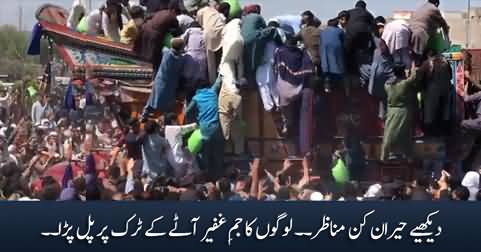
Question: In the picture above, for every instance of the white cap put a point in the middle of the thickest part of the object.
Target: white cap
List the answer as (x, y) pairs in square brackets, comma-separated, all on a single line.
[(12, 148), (114, 124), (82, 103), (53, 134), (374, 191), (274, 20), (3, 132), (67, 133), (45, 122), (89, 127), (317, 196), (27, 199), (471, 181)]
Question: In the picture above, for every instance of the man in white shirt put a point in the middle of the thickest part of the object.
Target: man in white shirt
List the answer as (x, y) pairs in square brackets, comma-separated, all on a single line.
[(181, 160), (40, 109), (5, 107), (77, 12), (232, 72), (106, 21)]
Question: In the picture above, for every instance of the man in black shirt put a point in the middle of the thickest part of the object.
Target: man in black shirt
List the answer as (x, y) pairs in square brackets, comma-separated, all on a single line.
[(358, 37)]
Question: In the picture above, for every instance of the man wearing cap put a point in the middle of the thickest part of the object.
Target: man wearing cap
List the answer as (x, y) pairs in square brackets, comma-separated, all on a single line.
[(398, 140), (256, 35), (195, 64), (292, 69), (213, 24), (232, 72), (51, 144), (343, 19), (381, 69), (380, 23)]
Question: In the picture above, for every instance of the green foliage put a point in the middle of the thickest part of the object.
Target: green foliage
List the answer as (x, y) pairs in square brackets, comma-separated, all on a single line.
[(13, 58)]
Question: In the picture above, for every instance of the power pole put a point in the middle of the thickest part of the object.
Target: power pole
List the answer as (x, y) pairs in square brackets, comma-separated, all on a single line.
[(20, 17), (468, 25)]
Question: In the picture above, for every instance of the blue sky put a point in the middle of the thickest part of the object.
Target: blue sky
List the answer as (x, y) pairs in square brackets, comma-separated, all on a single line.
[(9, 12)]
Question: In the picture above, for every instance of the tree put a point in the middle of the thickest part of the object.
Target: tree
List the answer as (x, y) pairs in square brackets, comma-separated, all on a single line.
[(13, 58)]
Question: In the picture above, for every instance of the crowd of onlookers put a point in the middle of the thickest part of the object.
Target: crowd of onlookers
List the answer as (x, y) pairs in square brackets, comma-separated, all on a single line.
[(60, 159), (80, 145)]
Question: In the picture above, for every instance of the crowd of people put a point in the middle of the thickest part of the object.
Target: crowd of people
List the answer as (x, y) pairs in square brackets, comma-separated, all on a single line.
[(211, 54)]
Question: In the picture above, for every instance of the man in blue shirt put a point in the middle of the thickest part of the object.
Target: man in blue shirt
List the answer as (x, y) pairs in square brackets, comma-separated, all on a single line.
[(205, 103)]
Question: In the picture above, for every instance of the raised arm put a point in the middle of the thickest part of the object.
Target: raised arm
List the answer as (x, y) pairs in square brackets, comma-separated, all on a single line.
[(129, 184), (28, 171), (188, 128), (255, 178), (125, 12), (34, 114), (414, 78), (217, 84), (190, 109), (306, 165), (441, 21), (185, 36), (111, 30)]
